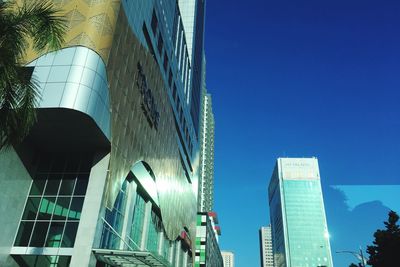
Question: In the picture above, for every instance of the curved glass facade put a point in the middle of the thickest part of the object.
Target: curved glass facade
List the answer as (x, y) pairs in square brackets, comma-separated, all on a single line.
[(74, 78)]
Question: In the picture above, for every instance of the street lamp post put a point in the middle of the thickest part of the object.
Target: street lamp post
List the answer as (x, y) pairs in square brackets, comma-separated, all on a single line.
[(359, 256)]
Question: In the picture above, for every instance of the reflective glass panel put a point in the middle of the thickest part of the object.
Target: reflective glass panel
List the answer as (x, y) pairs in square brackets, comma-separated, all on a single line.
[(31, 208), (24, 233), (46, 208), (42, 261), (55, 234), (37, 187), (76, 208), (39, 234), (52, 187), (61, 209), (81, 185), (69, 234), (67, 185)]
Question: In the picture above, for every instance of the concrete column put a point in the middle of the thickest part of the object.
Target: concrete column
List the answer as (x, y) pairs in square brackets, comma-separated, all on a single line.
[(185, 259), (82, 252), (14, 185), (178, 253)]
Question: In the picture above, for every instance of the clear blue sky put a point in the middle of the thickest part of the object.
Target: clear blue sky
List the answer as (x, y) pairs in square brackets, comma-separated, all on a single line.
[(304, 78)]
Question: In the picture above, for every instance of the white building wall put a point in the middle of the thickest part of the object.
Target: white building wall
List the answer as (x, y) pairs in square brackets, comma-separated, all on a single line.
[(266, 247), (228, 258)]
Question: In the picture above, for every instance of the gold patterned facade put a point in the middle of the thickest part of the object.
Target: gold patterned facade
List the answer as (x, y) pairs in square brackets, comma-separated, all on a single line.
[(91, 23)]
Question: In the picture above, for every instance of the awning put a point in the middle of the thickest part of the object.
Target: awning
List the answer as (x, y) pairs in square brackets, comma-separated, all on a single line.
[(126, 258)]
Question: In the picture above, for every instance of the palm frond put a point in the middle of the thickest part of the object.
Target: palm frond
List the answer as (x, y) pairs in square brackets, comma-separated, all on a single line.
[(18, 99), (19, 94), (40, 19)]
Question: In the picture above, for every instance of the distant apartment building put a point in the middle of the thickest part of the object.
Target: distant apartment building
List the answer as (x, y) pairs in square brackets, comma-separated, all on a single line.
[(206, 179), (228, 258), (266, 254), (299, 228)]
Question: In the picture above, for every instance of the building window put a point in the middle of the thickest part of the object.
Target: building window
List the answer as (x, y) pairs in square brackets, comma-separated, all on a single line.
[(54, 205), (181, 116), (160, 44), (115, 218), (174, 92), (138, 220), (170, 78), (165, 61), (40, 261), (154, 22), (148, 40), (155, 229)]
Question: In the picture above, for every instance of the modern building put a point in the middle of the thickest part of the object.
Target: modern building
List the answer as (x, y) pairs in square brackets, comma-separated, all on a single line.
[(266, 254), (206, 177), (207, 252), (228, 258), (108, 175), (299, 228)]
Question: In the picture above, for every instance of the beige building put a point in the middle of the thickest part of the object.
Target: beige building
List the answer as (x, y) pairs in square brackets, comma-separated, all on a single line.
[(266, 255), (228, 258)]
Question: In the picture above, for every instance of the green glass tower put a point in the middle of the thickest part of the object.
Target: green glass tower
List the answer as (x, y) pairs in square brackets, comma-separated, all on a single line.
[(299, 228)]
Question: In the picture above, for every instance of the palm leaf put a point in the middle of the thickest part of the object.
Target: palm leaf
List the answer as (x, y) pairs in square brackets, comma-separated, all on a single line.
[(19, 94)]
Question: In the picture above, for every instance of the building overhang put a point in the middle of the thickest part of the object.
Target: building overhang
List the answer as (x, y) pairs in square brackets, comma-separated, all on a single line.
[(128, 258)]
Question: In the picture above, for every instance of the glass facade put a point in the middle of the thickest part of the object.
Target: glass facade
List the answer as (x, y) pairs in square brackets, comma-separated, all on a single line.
[(138, 220), (54, 204), (305, 222), (130, 225), (299, 228), (42, 261), (153, 22), (74, 78), (115, 218)]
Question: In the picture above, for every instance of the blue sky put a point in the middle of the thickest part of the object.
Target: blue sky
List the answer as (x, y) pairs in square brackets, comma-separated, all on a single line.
[(298, 79)]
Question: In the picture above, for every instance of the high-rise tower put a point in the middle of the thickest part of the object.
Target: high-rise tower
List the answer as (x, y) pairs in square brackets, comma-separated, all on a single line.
[(206, 177), (266, 254), (299, 228)]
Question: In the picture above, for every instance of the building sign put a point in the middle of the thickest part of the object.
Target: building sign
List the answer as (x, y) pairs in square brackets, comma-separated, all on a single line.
[(148, 102)]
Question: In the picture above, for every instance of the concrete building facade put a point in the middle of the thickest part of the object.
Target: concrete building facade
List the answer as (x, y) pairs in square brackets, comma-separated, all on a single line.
[(266, 254), (299, 227), (108, 175)]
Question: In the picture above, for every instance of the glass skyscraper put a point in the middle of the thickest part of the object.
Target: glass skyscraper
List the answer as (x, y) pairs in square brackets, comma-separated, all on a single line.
[(299, 228)]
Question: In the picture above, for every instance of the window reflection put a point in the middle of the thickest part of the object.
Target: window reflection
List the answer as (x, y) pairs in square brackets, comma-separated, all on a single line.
[(69, 234), (46, 208), (55, 234), (39, 234), (54, 205), (31, 208)]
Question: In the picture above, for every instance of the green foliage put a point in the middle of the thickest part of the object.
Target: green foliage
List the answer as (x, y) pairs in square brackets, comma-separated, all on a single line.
[(386, 247), (38, 21)]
